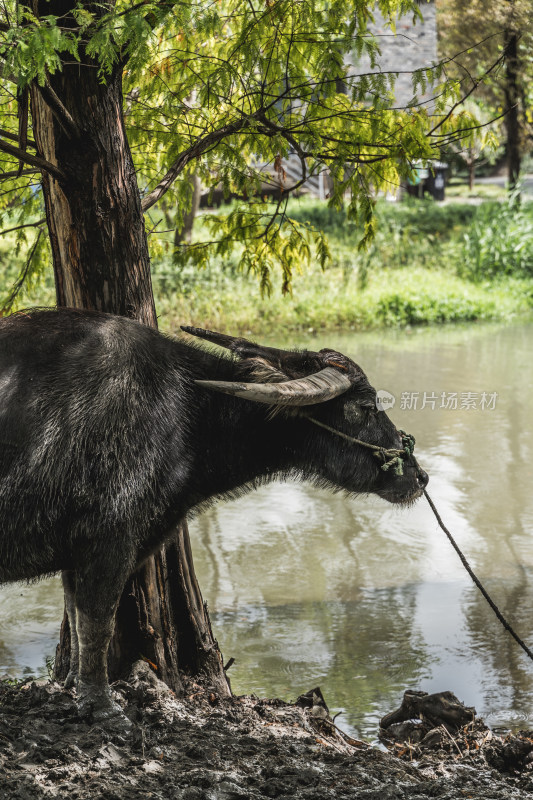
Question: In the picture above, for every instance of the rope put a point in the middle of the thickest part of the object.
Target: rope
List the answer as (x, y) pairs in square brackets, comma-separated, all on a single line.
[(394, 458), (476, 580)]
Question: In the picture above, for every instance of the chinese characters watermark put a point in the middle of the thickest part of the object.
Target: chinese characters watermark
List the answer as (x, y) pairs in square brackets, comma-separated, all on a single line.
[(449, 401)]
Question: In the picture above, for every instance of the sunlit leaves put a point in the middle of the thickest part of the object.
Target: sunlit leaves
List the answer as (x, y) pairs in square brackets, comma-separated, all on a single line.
[(33, 49), (232, 86), (278, 66), (264, 238)]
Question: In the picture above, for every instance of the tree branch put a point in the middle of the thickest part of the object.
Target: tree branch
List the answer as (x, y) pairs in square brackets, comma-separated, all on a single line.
[(15, 138), (492, 67), (4, 176), (25, 225), (183, 159), (34, 161), (59, 111)]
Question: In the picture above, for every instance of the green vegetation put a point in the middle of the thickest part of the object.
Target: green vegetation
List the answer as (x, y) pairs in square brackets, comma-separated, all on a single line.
[(419, 269), (460, 191), (428, 263), (211, 92), (499, 242)]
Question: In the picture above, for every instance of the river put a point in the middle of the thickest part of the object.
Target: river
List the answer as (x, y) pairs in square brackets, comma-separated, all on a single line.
[(364, 599)]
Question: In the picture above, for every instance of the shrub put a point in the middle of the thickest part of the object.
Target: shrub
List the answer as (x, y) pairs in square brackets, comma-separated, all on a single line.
[(499, 241)]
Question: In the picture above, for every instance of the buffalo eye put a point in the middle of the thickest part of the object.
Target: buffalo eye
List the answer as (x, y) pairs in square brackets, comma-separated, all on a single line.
[(355, 412)]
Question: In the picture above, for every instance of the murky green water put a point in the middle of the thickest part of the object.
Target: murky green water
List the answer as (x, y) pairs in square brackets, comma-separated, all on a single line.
[(357, 596)]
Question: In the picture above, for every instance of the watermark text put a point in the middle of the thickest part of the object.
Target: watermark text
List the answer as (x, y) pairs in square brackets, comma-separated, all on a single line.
[(448, 401)]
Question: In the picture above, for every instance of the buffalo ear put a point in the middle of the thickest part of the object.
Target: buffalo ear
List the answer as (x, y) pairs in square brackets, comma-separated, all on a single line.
[(260, 370), (332, 358)]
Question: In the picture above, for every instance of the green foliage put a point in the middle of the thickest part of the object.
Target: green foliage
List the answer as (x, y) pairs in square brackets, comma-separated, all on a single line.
[(224, 90), (420, 220), (483, 146), (263, 239), (413, 274), (499, 241), (409, 276), (443, 299), (334, 299), (33, 48), (24, 256)]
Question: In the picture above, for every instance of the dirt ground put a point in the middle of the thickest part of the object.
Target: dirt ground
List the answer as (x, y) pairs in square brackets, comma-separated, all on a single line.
[(204, 748)]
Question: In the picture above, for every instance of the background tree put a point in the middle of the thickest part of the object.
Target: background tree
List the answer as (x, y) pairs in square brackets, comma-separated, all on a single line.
[(482, 147), (107, 108), (472, 37)]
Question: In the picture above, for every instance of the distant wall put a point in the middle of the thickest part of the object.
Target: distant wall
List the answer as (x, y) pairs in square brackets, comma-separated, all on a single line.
[(413, 46)]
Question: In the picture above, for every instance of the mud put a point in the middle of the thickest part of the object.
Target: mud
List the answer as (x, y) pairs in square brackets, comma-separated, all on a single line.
[(202, 748)]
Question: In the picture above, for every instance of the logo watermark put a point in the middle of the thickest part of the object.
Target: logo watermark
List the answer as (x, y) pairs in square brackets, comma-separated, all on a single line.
[(449, 401), (385, 400)]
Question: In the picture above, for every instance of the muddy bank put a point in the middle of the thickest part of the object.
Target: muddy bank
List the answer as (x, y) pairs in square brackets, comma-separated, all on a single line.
[(202, 748)]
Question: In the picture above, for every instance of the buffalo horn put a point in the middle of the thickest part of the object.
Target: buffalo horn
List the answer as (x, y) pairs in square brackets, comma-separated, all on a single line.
[(316, 388), (241, 347), (222, 339)]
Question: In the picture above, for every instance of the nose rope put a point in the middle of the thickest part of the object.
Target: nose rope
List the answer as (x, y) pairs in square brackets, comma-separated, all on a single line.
[(477, 582), (393, 458)]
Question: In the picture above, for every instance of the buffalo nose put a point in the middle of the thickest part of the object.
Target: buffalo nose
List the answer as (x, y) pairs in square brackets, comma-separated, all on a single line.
[(422, 478)]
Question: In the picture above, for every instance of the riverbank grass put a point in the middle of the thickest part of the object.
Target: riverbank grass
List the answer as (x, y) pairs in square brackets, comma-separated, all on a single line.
[(429, 263), (320, 301), (417, 271)]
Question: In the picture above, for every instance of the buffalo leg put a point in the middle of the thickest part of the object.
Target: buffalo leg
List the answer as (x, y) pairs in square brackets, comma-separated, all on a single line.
[(69, 588), (98, 591)]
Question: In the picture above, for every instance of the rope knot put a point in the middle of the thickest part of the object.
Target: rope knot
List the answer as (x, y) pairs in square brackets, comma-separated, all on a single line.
[(396, 463), (393, 458), (408, 442)]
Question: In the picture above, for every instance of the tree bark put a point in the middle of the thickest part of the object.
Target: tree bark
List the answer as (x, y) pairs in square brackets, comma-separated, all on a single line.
[(471, 173), (512, 100), (101, 262), (183, 233)]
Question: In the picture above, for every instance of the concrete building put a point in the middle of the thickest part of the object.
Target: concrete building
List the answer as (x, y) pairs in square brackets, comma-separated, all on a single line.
[(414, 45), (411, 47)]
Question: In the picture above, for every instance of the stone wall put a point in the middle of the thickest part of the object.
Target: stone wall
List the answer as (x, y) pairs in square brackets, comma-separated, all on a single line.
[(414, 45)]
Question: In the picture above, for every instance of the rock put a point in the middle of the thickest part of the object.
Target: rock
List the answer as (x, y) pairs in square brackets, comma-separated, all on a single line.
[(441, 708), (152, 767)]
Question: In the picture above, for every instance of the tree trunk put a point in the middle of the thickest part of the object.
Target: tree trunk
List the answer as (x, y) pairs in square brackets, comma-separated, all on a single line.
[(471, 171), (183, 233), (101, 262), (512, 100)]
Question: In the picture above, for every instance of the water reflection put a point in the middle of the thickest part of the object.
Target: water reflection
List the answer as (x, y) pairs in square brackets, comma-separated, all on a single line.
[(30, 616), (355, 648), (400, 610), (358, 596)]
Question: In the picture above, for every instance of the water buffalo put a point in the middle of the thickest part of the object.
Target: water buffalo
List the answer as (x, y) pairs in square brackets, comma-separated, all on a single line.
[(111, 432)]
